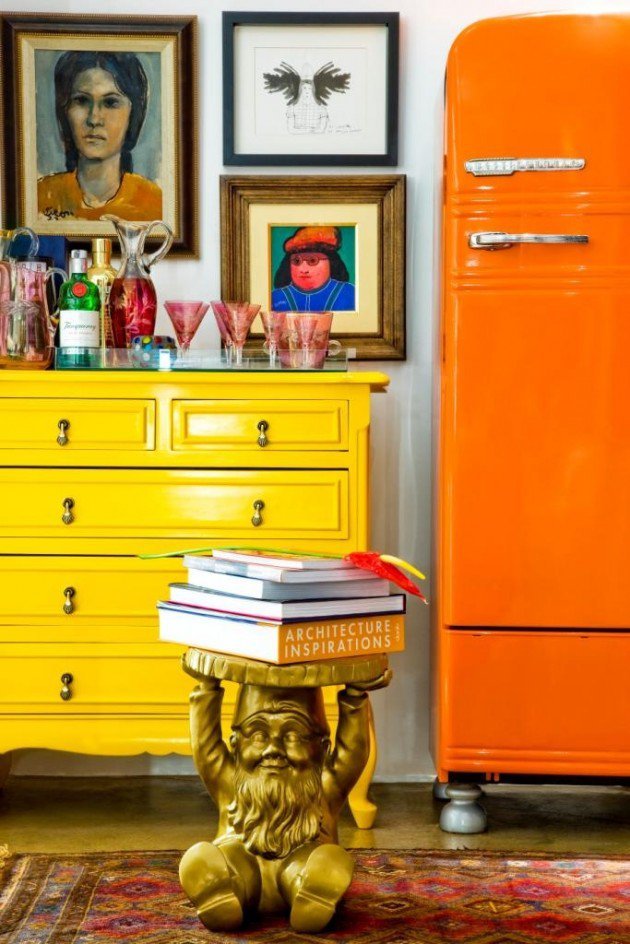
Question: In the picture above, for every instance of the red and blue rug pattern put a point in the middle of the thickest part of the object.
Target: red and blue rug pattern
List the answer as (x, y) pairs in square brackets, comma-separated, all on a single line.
[(397, 897)]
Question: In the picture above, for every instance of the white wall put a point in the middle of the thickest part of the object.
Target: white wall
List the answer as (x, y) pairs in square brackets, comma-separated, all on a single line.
[(402, 418)]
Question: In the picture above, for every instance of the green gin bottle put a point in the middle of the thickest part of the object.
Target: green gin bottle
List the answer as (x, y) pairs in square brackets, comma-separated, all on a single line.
[(79, 314)]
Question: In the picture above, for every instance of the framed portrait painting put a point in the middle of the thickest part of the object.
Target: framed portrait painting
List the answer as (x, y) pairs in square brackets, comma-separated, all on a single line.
[(310, 88), (99, 117), (320, 243)]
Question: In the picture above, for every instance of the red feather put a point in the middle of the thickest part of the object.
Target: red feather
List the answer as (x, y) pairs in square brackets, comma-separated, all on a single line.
[(370, 560)]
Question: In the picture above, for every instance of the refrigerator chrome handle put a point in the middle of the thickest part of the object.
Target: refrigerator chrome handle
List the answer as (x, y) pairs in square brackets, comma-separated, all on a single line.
[(507, 240)]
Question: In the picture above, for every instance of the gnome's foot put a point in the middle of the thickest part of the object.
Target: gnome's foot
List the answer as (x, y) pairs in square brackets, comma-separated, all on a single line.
[(324, 878), (207, 880)]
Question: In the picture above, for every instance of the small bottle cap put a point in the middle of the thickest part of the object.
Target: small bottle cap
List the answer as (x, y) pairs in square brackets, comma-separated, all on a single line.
[(78, 261), (101, 245)]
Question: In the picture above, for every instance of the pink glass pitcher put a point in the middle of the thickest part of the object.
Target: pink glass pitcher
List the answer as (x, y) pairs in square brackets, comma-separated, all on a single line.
[(7, 238), (27, 326), (31, 282), (132, 300)]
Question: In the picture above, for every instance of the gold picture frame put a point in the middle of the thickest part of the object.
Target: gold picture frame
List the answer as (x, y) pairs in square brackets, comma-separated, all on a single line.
[(49, 160), (254, 209)]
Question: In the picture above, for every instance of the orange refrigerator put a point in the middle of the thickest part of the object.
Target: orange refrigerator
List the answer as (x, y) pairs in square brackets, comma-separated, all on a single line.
[(531, 667)]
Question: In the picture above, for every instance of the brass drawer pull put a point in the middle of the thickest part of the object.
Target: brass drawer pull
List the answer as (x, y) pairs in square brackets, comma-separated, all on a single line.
[(68, 606), (67, 517), (263, 426), (257, 517), (64, 426), (66, 692)]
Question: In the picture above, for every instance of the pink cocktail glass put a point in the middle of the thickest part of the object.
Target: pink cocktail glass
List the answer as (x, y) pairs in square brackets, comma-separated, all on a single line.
[(237, 318), (186, 318), (306, 340), (220, 316), (274, 326)]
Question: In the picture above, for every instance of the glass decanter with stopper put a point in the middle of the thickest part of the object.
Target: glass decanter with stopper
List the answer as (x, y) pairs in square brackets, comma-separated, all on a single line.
[(132, 299)]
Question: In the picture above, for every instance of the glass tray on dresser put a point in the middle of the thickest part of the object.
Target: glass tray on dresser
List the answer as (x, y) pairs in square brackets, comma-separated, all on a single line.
[(201, 360)]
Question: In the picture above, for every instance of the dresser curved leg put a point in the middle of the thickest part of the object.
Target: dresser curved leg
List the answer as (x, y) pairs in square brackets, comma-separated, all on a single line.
[(363, 810), (5, 767)]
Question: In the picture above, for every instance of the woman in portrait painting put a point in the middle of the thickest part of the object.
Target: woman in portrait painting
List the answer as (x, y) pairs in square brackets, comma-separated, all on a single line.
[(312, 275), (101, 104)]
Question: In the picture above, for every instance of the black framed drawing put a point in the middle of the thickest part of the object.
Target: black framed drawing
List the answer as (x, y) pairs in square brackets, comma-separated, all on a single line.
[(99, 116), (310, 89)]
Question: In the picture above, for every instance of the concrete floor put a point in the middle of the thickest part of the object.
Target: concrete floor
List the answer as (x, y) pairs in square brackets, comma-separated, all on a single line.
[(82, 814)]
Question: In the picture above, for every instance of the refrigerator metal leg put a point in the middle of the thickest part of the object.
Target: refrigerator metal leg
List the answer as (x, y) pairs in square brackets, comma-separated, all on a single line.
[(463, 814)]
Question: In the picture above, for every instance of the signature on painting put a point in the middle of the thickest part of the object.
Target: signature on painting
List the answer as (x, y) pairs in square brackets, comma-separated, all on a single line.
[(53, 214)]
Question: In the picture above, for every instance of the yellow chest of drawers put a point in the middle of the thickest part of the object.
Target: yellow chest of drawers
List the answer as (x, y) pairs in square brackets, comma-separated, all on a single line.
[(96, 468)]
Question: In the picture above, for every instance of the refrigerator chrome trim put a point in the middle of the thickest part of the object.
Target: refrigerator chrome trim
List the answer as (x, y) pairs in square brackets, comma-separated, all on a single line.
[(506, 166)]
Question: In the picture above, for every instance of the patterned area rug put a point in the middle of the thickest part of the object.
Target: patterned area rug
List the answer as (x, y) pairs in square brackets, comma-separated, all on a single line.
[(395, 898)]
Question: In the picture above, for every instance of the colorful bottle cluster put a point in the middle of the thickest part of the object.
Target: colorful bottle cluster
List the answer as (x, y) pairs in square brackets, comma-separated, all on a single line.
[(84, 321), (100, 307)]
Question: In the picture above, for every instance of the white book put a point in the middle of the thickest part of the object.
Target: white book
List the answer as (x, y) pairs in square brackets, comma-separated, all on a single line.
[(273, 590), (280, 574), (283, 610), (284, 559)]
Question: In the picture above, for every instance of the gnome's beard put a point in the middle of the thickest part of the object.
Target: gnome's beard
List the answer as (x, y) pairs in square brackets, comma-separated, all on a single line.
[(276, 814)]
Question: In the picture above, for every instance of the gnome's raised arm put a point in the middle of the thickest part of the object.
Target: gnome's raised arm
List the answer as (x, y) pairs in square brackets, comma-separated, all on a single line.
[(351, 748), (212, 758), (352, 741)]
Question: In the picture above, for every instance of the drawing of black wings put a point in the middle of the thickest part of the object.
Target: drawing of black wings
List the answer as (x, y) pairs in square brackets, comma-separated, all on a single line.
[(328, 79), (283, 79)]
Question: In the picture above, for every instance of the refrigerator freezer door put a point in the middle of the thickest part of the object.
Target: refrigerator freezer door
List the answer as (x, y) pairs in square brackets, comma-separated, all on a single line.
[(535, 89), (556, 704)]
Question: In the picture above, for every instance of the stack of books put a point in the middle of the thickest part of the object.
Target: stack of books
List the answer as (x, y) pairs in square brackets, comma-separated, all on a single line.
[(282, 608)]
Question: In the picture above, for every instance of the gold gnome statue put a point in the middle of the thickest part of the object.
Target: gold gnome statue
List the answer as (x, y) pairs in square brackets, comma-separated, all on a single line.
[(279, 790)]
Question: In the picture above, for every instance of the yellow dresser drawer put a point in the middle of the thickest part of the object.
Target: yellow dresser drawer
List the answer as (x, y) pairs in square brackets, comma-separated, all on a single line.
[(273, 425), (91, 424), (95, 599), (112, 678), (104, 677), (177, 504)]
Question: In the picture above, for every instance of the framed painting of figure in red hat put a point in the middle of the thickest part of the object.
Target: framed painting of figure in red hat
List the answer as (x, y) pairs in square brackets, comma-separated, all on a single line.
[(320, 243), (313, 268)]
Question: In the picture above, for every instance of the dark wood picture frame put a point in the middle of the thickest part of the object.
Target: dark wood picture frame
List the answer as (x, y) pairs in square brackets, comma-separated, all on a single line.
[(384, 194), (389, 22), (179, 33)]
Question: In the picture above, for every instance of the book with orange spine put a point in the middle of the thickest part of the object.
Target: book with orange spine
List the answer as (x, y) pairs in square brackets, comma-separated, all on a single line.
[(282, 643)]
